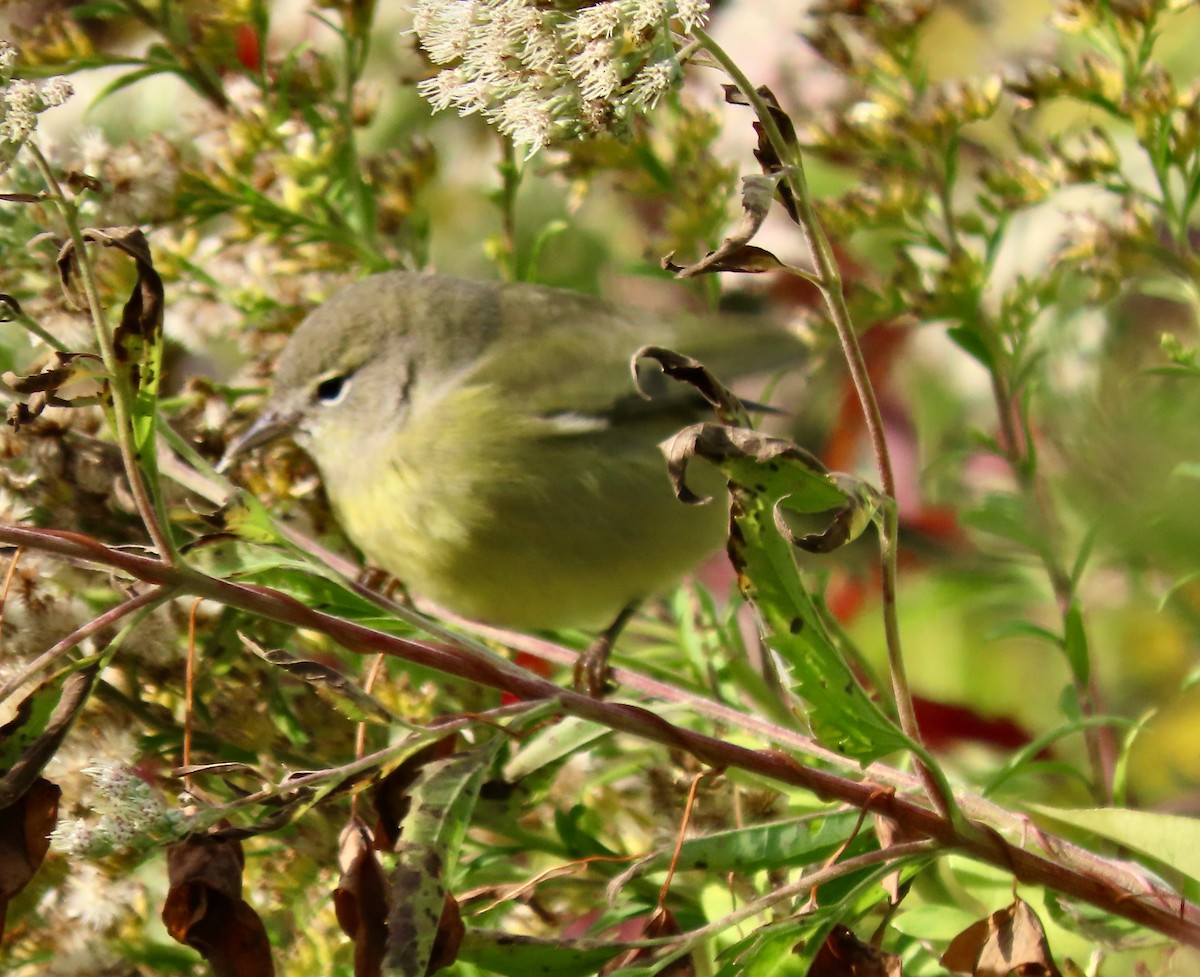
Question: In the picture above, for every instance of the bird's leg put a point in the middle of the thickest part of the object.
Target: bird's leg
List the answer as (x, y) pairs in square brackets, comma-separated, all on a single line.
[(381, 582), (591, 669)]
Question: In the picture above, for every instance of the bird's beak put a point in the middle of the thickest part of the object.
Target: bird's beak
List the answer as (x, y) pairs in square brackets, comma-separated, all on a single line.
[(269, 427)]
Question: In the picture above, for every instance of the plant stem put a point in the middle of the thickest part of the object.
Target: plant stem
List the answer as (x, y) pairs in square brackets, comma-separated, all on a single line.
[(1110, 886), (828, 279), (1017, 452), (147, 497)]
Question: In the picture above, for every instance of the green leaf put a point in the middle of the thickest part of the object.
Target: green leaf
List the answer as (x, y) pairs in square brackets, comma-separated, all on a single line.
[(1075, 642), (797, 841), (970, 341), (1023, 629), (552, 746), (1003, 515), (1169, 839), (766, 474), (514, 955)]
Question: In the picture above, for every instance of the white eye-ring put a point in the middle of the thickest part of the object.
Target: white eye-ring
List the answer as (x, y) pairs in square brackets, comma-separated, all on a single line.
[(332, 389)]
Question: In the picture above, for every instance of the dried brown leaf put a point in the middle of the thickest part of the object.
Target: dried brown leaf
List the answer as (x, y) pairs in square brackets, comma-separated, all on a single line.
[(204, 908), (361, 899), (37, 742), (735, 253), (765, 152), (844, 955), (1009, 940), (25, 828)]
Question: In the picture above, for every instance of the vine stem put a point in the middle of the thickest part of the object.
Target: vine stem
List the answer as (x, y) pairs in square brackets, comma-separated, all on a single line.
[(828, 279), (147, 498)]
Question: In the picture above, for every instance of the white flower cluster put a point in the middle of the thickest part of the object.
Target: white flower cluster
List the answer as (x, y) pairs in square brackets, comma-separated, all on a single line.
[(132, 816), (21, 101), (542, 73)]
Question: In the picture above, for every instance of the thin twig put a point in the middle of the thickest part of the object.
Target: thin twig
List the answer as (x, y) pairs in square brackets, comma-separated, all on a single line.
[(149, 599), (828, 279)]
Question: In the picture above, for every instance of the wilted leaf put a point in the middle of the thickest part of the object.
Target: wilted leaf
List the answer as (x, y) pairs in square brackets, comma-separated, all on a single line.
[(424, 928), (244, 517), (137, 340), (25, 828), (32, 736), (844, 955), (330, 684), (62, 371), (1011, 939), (361, 899), (735, 253), (765, 152), (728, 408), (391, 795), (41, 389), (204, 908), (424, 810), (765, 474)]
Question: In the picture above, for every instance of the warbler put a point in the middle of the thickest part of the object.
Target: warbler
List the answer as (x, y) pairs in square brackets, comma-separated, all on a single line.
[(485, 443)]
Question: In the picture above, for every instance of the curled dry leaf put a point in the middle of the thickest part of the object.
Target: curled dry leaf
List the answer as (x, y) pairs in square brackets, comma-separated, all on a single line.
[(137, 340), (735, 253), (43, 388), (50, 378), (31, 738), (728, 408), (25, 827), (204, 908), (343, 694), (1010, 940), (740, 450), (361, 899), (765, 152)]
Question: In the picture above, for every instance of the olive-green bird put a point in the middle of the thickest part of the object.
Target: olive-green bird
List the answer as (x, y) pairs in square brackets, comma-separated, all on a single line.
[(485, 444)]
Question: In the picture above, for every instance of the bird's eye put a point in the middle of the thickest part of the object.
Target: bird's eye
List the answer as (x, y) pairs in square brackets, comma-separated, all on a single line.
[(332, 389)]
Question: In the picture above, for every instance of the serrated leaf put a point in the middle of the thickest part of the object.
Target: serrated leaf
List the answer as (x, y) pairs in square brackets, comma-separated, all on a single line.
[(764, 475)]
